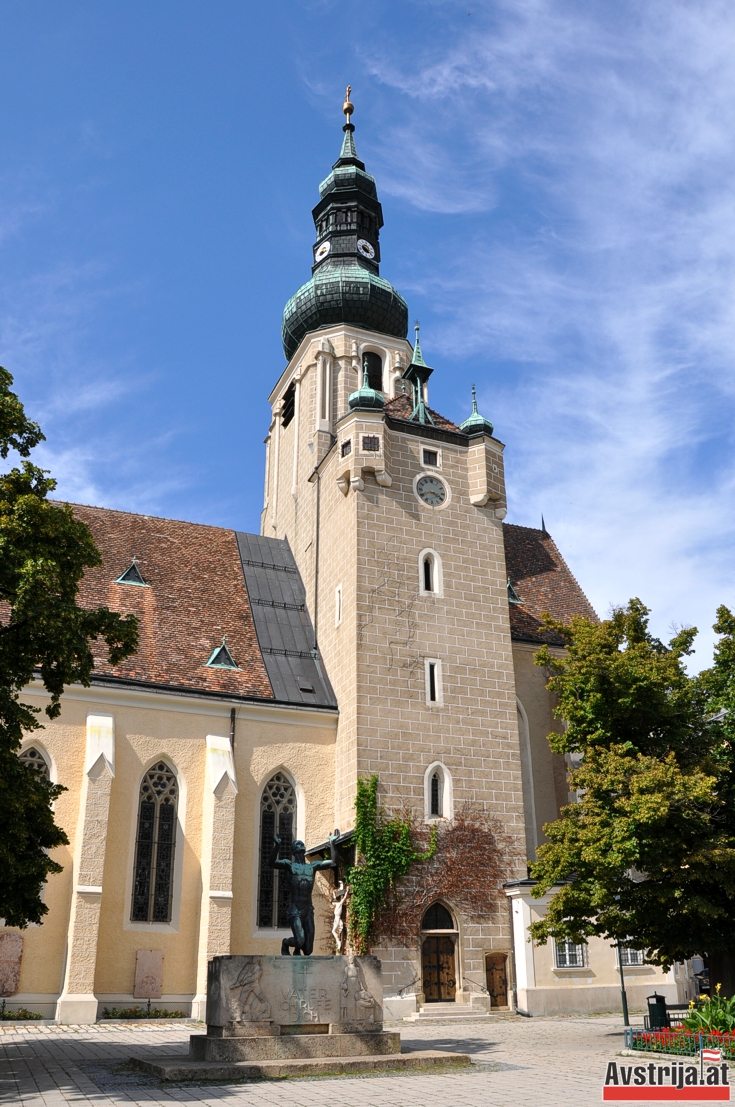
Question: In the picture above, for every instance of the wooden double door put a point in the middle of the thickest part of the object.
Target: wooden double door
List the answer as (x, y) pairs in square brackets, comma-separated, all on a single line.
[(438, 969)]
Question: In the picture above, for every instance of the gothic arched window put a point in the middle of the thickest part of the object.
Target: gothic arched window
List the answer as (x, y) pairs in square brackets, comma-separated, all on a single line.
[(437, 918), (153, 880), (277, 815), (35, 760)]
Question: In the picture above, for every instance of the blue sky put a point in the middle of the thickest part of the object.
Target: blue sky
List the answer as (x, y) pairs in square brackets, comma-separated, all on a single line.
[(557, 185)]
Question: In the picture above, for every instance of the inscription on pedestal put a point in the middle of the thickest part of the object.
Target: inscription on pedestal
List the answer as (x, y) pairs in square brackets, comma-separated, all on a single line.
[(250, 993)]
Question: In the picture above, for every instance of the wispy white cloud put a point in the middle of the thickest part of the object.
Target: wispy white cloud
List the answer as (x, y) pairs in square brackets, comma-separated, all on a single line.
[(47, 322), (609, 282)]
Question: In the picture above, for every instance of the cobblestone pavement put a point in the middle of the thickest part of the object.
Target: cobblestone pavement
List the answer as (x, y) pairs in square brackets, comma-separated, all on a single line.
[(552, 1062)]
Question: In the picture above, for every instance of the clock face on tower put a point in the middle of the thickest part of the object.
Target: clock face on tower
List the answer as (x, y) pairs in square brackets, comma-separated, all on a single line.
[(365, 248), (322, 251), (432, 491)]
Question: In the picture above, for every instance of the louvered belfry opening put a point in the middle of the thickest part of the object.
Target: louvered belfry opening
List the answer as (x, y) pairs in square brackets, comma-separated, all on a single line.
[(277, 809), (373, 370), (153, 883)]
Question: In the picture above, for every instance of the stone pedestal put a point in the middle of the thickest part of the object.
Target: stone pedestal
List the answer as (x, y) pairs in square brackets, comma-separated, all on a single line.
[(275, 1016)]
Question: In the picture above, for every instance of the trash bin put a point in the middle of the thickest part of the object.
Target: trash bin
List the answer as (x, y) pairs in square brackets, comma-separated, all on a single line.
[(658, 1018)]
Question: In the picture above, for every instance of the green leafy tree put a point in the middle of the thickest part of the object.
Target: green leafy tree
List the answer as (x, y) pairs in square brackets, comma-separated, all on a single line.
[(44, 552), (647, 855)]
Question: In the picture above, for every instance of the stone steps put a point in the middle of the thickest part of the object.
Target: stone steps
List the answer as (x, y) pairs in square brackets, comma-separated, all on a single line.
[(185, 1068), (448, 1012)]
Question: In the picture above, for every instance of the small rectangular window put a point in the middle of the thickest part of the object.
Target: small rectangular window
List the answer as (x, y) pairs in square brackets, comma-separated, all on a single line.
[(431, 457), (338, 605), (347, 447), (630, 957), (568, 955), (433, 678), (370, 444)]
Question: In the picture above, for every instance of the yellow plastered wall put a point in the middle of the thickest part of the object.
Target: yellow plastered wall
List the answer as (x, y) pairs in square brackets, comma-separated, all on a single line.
[(306, 754), (149, 728), (63, 743)]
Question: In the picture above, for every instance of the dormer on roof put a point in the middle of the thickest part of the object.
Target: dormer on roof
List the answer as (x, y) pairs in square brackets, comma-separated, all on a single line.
[(513, 596), (221, 658), (133, 575)]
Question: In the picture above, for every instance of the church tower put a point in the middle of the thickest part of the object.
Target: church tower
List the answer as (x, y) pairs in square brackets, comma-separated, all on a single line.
[(394, 516)]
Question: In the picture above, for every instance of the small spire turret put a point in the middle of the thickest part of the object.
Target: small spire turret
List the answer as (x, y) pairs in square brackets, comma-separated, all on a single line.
[(418, 374), (476, 424)]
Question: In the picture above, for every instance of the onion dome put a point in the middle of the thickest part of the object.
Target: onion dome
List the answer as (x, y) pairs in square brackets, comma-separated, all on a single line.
[(476, 424), (346, 286)]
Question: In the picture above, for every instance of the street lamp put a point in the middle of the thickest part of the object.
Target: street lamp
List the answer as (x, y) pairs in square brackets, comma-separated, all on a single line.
[(635, 877), (623, 996)]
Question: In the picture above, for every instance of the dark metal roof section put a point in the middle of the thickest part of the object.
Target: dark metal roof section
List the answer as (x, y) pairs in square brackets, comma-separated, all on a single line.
[(282, 623)]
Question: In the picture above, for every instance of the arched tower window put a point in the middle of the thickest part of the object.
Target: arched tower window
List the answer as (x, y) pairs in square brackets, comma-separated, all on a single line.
[(372, 365), (34, 759), (277, 810), (438, 792), (153, 881), (430, 572)]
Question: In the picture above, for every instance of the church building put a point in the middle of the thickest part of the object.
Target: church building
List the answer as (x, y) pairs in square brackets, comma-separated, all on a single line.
[(384, 622)]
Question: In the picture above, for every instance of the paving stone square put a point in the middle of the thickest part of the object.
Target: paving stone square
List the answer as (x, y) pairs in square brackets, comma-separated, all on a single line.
[(552, 1062)]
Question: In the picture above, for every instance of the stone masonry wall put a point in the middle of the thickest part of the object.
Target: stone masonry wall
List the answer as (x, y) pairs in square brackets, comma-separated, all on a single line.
[(369, 544)]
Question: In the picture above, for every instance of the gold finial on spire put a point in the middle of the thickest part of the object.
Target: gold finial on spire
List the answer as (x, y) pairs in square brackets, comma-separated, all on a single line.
[(348, 107)]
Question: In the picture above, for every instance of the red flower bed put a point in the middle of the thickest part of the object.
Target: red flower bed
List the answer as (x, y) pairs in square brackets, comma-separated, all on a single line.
[(682, 1041)]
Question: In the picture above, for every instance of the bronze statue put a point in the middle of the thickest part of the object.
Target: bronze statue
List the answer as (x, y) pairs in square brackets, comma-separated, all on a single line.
[(301, 885)]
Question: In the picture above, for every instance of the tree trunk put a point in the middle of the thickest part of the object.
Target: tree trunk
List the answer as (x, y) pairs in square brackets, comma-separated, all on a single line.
[(722, 971)]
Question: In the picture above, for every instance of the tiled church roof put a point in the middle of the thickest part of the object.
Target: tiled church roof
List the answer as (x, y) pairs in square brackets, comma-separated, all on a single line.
[(202, 583), (196, 594), (400, 407), (541, 578)]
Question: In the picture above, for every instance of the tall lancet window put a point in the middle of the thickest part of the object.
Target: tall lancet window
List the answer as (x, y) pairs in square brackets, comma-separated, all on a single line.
[(153, 881), (436, 794), (277, 815), (430, 572)]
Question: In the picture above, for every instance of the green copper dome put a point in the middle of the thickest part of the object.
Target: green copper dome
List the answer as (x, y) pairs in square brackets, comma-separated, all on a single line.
[(476, 424), (346, 286)]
